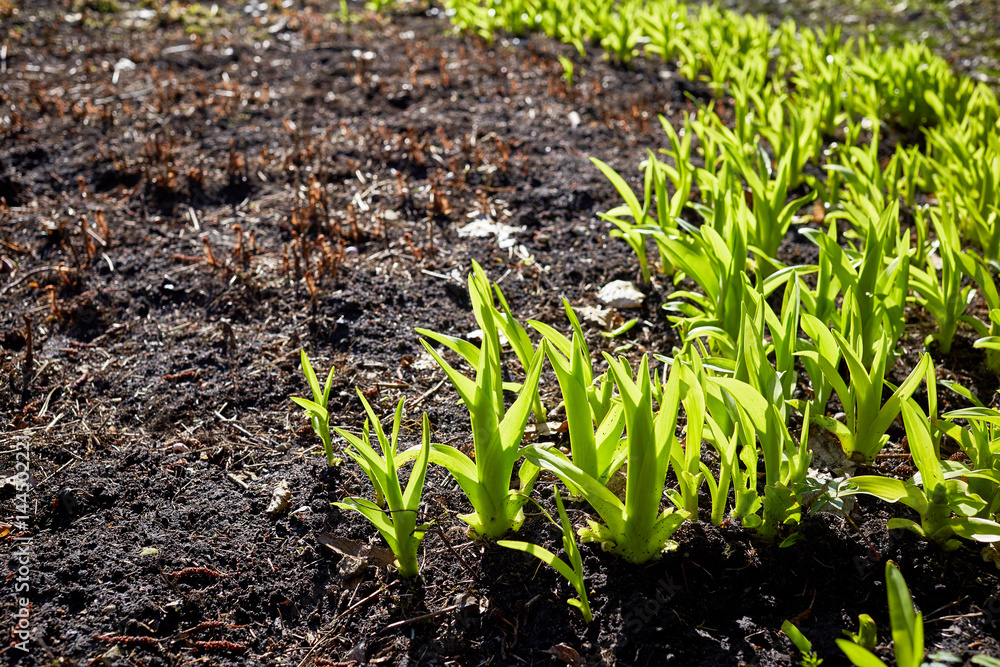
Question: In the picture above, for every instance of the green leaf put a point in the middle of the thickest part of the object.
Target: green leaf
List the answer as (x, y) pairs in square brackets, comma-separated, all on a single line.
[(799, 639), (976, 529), (623, 189), (907, 625), (906, 524), (860, 657), (311, 406), (918, 434), (542, 554), (461, 467), (511, 428), (461, 347), (988, 415), (307, 370), (988, 342), (888, 489), (605, 503), (867, 635), (376, 515), (415, 485), (555, 338), (466, 387), (622, 329), (755, 405), (578, 413)]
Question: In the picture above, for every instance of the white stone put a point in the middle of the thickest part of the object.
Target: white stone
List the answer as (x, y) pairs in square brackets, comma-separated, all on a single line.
[(621, 294)]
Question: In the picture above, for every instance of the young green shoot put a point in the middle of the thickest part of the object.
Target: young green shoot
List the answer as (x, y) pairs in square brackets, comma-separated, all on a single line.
[(636, 530), (809, 657), (863, 433), (496, 431), (760, 429), (907, 628), (316, 409), (598, 388), (867, 635), (939, 493), (597, 447), (572, 571), (942, 294), (568, 69), (505, 323), (394, 512)]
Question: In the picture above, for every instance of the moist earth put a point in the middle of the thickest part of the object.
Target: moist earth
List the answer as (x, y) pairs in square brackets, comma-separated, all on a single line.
[(193, 194)]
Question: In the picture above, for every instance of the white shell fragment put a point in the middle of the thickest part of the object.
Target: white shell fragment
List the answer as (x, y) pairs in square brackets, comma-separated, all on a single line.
[(477, 335), (621, 294), (484, 226), (595, 314)]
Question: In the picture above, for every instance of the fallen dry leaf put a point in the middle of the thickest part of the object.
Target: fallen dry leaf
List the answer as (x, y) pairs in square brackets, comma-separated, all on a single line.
[(373, 555), (565, 653), (342, 545), (279, 497)]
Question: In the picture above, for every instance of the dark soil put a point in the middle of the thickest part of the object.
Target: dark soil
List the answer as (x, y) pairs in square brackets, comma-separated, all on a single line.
[(194, 195)]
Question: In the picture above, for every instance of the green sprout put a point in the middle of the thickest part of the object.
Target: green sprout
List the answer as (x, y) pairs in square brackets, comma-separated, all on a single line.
[(866, 418), (595, 423), (316, 409), (567, 66), (907, 628), (867, 635), (572, 571), (496, 431), (943, 295), (394, 512), (506, 324), (939, 494), (636, 530), (809, 657)]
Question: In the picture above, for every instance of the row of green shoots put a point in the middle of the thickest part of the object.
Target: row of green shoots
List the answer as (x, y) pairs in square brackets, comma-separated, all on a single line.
[(792, 91), (864, 276), (806, 111), (798, 122), (714, 420)]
